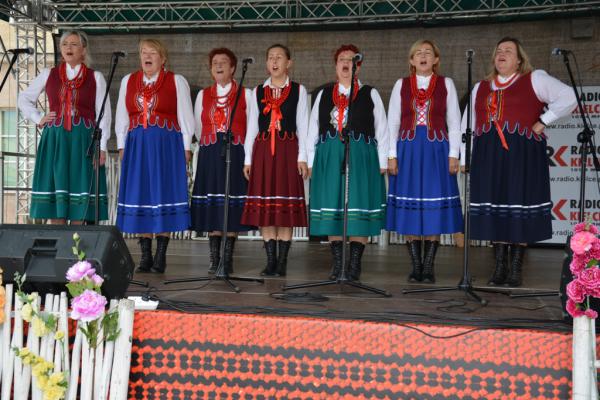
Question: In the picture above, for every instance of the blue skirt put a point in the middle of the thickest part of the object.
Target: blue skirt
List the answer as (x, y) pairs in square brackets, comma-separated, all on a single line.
[(423, 198), (153, 195), (208, 197), (510, 190)]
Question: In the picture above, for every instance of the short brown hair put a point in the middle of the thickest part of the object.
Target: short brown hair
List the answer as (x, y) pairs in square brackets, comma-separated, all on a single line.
[(285, 49), (223, 50), (346, 47)]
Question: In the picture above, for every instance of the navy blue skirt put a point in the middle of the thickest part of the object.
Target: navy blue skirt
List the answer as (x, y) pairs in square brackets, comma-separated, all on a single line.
[(208, 197), (423, 198), (510, 189), (153, 196)]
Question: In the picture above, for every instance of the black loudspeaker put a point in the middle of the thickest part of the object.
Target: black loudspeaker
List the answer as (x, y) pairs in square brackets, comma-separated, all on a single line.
[(45, 253)]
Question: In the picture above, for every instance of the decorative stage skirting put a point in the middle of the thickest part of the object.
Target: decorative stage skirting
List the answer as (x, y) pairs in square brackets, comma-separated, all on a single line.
[(226, 356)]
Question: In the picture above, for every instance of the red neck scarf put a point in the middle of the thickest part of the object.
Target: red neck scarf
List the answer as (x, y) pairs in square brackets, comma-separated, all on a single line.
[(69, 86), (273, 106), (422, 96), (341, 102), (149, 91), (222, 103), (495, 106)]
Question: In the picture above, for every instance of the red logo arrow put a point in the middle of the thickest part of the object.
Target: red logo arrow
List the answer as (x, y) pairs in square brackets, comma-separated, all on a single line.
[(557, 212)]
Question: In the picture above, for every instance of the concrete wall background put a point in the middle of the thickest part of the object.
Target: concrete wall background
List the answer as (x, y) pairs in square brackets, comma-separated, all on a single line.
[(385, 51)]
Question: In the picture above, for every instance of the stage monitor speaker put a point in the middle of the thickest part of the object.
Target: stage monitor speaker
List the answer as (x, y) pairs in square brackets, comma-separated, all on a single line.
[(44, 253)]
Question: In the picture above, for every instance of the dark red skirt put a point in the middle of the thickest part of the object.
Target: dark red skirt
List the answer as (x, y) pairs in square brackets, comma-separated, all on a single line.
[(276, 190)]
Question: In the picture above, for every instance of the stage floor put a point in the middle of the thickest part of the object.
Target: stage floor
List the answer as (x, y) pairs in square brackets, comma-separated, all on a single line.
[(384, 268)]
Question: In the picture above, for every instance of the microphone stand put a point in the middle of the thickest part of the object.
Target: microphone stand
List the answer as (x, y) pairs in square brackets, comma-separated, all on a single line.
[(343, 278), (94, 147), (10, 66), (585, 139), (465, 285), (221, 273)]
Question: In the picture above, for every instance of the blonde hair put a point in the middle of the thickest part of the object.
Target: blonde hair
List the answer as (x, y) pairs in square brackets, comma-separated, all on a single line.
[(83, 39), (524, 66), (157, 45), (413, 50)]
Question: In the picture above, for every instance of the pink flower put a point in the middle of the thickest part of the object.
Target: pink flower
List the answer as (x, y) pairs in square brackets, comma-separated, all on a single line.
[(576, 291), (582, 242), (585, 226), (578, 264), (573, 309), (591, 313), (590, 278), (88, 306), (97, 279), (80, 270)]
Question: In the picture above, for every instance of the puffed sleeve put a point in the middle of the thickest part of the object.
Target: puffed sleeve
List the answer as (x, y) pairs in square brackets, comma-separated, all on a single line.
[(185, 113), (313, 131), (27, 99), (122, 116), (382, 132)]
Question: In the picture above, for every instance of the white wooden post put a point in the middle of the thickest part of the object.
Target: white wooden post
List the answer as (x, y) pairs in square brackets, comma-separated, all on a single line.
[(7, 353), (584, 369), (119, 381)]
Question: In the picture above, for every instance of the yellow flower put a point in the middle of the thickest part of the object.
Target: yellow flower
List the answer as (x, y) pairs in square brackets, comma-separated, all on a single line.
[(32, 297), (27, 359), (39, 369), (27, 312), (54, 392), (24, 352), (39, 327), (59, 335), (42, 382), (56, 378)]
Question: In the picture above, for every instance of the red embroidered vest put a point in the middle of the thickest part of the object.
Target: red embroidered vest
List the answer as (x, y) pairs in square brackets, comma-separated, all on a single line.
[(162, 107), (518, 108), (84, 98), (435, 114), (210, 126)]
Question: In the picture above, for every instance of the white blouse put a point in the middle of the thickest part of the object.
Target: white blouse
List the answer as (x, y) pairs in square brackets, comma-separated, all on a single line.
[(301, 123), (381, 126), (185, 114), (28, 99), (452, 114)]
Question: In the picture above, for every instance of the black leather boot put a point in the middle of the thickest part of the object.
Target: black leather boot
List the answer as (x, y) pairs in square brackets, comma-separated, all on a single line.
[(146, 258), (517, 251), (336, 265), (284, 248), (430, 248), (160, 258), (501, 270), (214, 246), (414, 250), (271, 250), (228, 256), (356, 252)]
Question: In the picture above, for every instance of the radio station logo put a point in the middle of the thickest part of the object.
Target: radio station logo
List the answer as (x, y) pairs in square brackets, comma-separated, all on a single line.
[(568, 210)]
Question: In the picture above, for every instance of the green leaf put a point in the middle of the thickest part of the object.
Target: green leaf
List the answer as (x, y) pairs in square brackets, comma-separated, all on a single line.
[(592, 263), (75, 288), (81, 255), (75, 250)]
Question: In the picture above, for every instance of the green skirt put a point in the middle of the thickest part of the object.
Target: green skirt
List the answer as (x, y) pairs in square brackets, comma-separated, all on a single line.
[(63, 180), (366, 197)]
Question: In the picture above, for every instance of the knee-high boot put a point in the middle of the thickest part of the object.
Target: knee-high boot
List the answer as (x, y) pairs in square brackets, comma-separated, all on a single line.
[(160, 258), (271, 250), (146, 258)]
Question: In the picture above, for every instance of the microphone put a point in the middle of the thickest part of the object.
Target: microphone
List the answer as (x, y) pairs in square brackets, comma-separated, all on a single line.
[(120, 54), (358, 57), (27, 50), (557, 52), (470, 53), (248, 60)]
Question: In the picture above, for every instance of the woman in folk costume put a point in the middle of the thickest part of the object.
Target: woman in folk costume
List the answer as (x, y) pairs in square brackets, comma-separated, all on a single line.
[(368, 163), (212, 113), (276, 160), (63, 180), (154, 127), (423, 199), (510, 185)]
